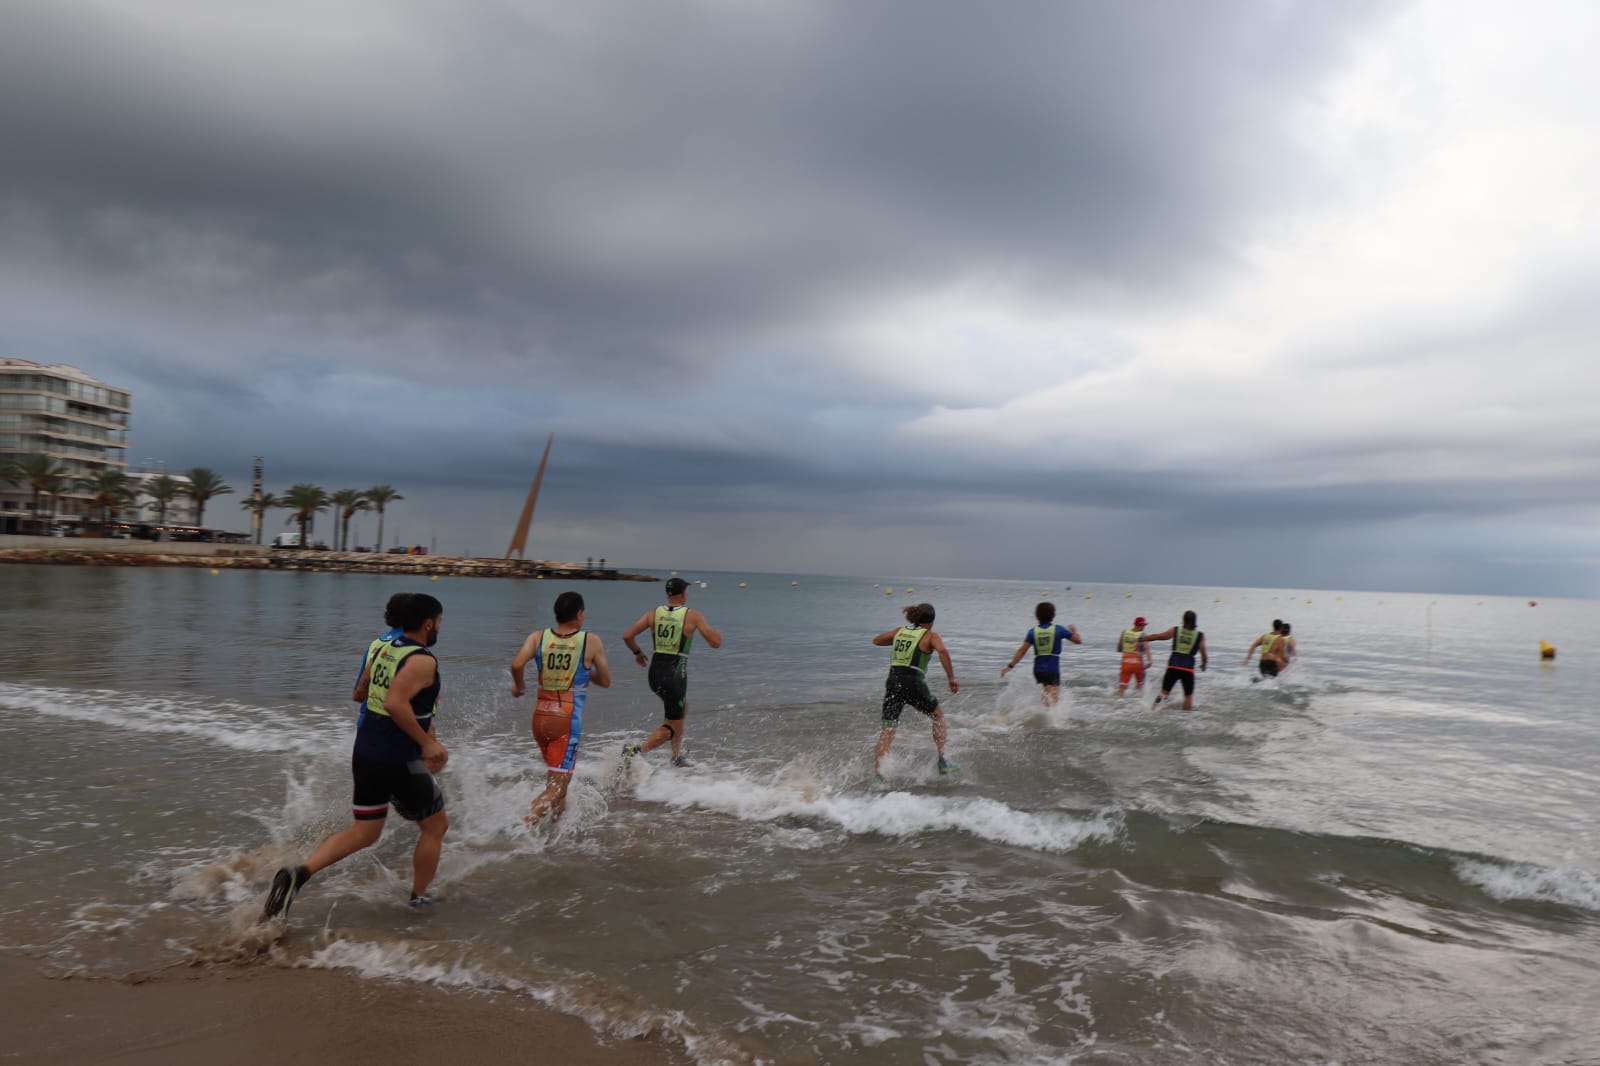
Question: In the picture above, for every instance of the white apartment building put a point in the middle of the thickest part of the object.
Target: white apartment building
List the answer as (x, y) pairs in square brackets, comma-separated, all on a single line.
[(180, 512), (61, 412)]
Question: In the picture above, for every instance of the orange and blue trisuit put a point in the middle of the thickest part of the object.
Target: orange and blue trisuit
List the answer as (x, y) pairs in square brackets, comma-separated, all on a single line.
[(558, 706), (1132, 653)]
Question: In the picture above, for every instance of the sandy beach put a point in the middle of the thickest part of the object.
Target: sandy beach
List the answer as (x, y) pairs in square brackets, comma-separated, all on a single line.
[(261, 1014)]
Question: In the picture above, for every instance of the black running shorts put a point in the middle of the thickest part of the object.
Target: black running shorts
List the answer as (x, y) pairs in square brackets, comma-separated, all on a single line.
[(409, 786)]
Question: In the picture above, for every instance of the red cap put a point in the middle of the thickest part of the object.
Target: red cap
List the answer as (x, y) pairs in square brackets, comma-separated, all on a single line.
[(1137, 622)]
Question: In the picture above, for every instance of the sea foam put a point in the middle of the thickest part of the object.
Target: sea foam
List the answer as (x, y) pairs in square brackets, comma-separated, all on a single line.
[(227, 723), (897, 814), (1525, 881)]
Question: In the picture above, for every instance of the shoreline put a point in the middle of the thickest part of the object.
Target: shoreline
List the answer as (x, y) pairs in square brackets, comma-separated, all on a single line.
[(259, 1015), (251, 557)]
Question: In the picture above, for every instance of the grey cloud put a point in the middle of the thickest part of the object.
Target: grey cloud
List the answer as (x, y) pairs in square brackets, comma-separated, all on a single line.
[(653, 228), (660, 188)]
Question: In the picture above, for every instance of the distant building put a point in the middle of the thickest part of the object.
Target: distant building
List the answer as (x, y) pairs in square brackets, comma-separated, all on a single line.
[(180, 511), (61, 412)]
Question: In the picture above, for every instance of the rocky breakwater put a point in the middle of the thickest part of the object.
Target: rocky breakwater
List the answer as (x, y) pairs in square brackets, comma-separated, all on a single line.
[(225, 558), (442, 566)]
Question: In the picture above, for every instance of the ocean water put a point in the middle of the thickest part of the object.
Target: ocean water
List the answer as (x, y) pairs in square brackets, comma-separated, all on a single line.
[(1391, 854)]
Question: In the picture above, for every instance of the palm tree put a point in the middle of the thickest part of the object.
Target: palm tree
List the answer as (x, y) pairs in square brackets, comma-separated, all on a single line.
[(10, 471), (261, 504), (43, 475), (203, 485), (55, 488), (305, 501), (110, 490), (380, 496), (162, 491), (346, 502)]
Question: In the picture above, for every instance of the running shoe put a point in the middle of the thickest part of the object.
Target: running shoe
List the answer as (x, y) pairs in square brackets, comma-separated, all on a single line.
[(879, 779), (946, 766), (286, 884), (629, 751), (420, 900), (681, 761)]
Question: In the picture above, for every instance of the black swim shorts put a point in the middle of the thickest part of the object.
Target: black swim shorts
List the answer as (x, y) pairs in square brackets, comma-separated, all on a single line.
[(669, 679), (1047, 679), (1269, 668), (904, 686), (409, 786), (1175, 676)]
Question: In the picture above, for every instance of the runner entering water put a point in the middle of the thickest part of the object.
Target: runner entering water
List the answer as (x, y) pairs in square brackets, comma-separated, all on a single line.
[(1288, 652), (910, 648), (1187, 642), (673, 628), (567, 661), (1135, 657), (395, 756), (1268, 643), (1045, 639)]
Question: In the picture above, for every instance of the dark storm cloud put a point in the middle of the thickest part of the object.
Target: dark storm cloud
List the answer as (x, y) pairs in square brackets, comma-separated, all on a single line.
[(662, 187), (954, 284)]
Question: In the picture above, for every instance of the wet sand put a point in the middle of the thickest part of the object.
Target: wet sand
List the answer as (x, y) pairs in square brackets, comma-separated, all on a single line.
[(271, 1016)]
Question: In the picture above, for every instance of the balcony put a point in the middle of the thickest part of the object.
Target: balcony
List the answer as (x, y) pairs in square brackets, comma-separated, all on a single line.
[(78, 435)]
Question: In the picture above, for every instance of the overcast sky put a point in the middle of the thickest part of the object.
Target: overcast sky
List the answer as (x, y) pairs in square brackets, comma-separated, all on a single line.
[(1260, 293)]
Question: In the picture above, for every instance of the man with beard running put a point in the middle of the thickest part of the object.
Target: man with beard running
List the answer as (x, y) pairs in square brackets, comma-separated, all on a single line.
[(395, 755)]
